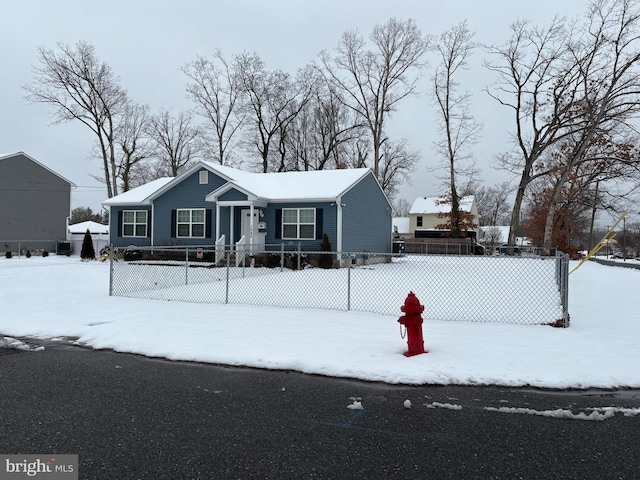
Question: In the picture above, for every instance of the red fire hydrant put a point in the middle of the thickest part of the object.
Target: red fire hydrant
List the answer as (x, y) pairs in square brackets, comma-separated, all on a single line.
[(412, 320)]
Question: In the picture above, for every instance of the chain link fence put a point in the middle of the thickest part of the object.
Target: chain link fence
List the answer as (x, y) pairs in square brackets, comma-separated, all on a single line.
[(505, 289), (34, 247)]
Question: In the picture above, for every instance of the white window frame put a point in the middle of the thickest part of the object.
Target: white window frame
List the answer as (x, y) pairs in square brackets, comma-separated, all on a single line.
[(298, 224), (135, 223), (191, 223), (203, 177)]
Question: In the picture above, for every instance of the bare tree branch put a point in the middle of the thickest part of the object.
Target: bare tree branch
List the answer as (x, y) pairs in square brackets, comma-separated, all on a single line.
[(175, 140), (458, 127), (375, 81), (215, 91), (77, 86)]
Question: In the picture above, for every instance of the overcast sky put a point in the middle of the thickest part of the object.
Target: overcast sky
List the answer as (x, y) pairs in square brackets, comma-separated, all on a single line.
[(147, 41)]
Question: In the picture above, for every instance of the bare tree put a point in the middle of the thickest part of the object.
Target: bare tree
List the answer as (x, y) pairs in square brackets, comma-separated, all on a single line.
[(84, 214), (571, 215), (78, 86), (271, 101), (357, 153), (458, 128), (319, 133), (401, 208), (175, 140), (607, 160), (493, 204), (215, 91), (534, 84), (396, 165), (606, 56), (375, 81), (135, 146)]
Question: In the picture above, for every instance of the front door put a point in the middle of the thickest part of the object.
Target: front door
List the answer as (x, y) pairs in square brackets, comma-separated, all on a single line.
[(252, 237)]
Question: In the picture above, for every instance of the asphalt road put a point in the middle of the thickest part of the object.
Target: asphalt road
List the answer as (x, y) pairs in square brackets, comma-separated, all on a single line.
[(131, 417)]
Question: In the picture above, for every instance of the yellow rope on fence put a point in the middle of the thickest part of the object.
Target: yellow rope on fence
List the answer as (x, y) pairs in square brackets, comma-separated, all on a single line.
[(602, 243)]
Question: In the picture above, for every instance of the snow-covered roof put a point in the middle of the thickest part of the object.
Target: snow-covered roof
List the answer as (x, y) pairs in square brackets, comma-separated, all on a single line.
[(282, 186), (93, 227), (433, 205), (138, 195)]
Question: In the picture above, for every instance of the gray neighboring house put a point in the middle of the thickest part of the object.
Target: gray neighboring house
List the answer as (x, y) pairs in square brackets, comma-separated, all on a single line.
[(35, 204), (210, 204)]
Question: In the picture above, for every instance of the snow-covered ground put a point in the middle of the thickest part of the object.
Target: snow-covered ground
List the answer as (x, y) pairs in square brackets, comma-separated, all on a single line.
[(64, 298)]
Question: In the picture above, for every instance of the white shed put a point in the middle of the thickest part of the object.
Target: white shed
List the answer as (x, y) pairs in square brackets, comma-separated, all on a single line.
[(99, 235)]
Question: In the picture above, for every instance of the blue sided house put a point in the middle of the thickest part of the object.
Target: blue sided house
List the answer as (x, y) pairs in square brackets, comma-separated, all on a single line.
[(213, 205)]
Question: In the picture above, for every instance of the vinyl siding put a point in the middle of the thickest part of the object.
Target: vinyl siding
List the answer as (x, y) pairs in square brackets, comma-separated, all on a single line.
[(366, 218), (329, 222), (115, 230), (35, 202), (187, 194), (232, 195)]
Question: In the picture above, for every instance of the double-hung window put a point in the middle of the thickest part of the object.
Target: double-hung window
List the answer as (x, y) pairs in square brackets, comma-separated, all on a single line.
[(299, 223), (134, 223), (190, 223)]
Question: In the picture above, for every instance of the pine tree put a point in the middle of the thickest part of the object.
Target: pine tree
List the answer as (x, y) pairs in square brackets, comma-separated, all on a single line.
[(325, 260), (87, 252)]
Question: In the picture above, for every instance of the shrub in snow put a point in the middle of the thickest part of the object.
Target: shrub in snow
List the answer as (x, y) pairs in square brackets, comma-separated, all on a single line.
[(271, 260), (87, 252), (28, 254), (325, 260), (45, 253), (8, 254), (105, 253)]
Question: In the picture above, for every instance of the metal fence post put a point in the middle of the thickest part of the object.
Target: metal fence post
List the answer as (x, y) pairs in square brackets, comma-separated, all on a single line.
[(186, 266), (562, 280), (226, 295), (281, 257), (111, 271), (565, 290), (349, 283)]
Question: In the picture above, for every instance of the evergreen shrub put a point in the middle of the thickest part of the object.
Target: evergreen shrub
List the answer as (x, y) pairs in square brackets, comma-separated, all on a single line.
[(87, 252)]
